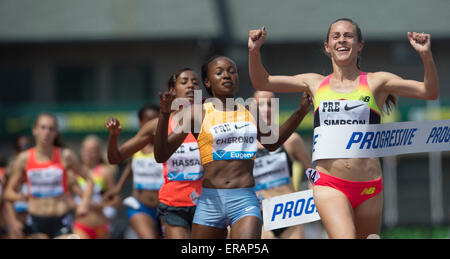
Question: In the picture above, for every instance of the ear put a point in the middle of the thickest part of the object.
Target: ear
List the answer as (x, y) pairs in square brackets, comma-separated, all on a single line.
[(33, 131), (207, 83), (325, 46), (360, 46)]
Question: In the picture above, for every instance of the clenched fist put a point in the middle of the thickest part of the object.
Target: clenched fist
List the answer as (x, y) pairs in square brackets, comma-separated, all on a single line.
[(421, 42), (256, 38)]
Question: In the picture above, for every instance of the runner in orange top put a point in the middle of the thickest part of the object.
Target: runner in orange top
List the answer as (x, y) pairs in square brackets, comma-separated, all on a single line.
[(180, 189)]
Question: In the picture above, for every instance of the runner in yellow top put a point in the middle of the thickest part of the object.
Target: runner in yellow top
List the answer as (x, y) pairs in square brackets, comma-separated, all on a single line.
[(96, 224), (227, 143)]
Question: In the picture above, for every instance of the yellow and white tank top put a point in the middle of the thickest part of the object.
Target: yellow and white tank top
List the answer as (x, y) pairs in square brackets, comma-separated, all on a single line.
[(99, 185), (356, 107), (227, 135), (147, 173)]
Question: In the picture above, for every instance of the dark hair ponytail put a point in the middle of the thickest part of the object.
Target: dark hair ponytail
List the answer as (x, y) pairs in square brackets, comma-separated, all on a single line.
[(390, 103)]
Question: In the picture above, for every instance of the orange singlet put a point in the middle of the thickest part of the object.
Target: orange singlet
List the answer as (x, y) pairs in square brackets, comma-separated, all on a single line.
[(46, 179), (183, 173)]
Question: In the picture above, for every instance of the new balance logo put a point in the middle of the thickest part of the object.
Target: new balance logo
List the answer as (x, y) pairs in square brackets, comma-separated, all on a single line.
[(368, 191)]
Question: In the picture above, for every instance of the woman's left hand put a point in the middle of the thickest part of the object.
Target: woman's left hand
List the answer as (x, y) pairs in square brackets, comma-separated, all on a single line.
[(421, 42)]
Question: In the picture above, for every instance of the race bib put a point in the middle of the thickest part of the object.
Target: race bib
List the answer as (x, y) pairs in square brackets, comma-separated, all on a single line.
[(234, 140), (147, 173), (185, 164), (271, 171), (46, 182), (343, 112)]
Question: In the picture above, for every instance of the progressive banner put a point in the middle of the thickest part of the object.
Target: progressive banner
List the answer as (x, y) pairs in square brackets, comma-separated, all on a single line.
[(380, 140), (289, 210)]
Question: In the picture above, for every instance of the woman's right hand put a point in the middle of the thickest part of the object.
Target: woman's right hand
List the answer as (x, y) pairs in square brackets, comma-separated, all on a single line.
[(256, 38), (165, 101), (113, 126), (109, 195), (306, 103)]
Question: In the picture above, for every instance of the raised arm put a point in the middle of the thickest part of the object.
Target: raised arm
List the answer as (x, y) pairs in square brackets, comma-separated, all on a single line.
[(429, 88), (166, 145), (136, 143), (288, 126), (260, 78)]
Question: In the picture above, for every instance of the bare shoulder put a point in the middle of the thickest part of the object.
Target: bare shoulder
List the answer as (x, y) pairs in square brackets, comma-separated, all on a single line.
[(22, 158), (108, 170), (380, 77), (67, 155), (149, 127), (293, 140)]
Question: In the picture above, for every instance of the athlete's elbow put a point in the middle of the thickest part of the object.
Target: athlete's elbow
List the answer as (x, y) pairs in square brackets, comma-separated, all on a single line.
[(260, 86), (160, 158), (9, 196), (430, 95), (431, 92), (113, 160), (433, 96), (271, 147)]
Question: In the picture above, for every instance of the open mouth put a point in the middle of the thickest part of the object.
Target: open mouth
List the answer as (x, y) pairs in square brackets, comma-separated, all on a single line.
[(227, 84), (189, 94), (343, 49)]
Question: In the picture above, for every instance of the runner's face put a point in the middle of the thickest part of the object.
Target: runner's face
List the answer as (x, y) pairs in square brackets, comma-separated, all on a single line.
[(185, 85), (45, 130), (148, 116), (263, 98), (222, 77), (90, 152), (343, 45)]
